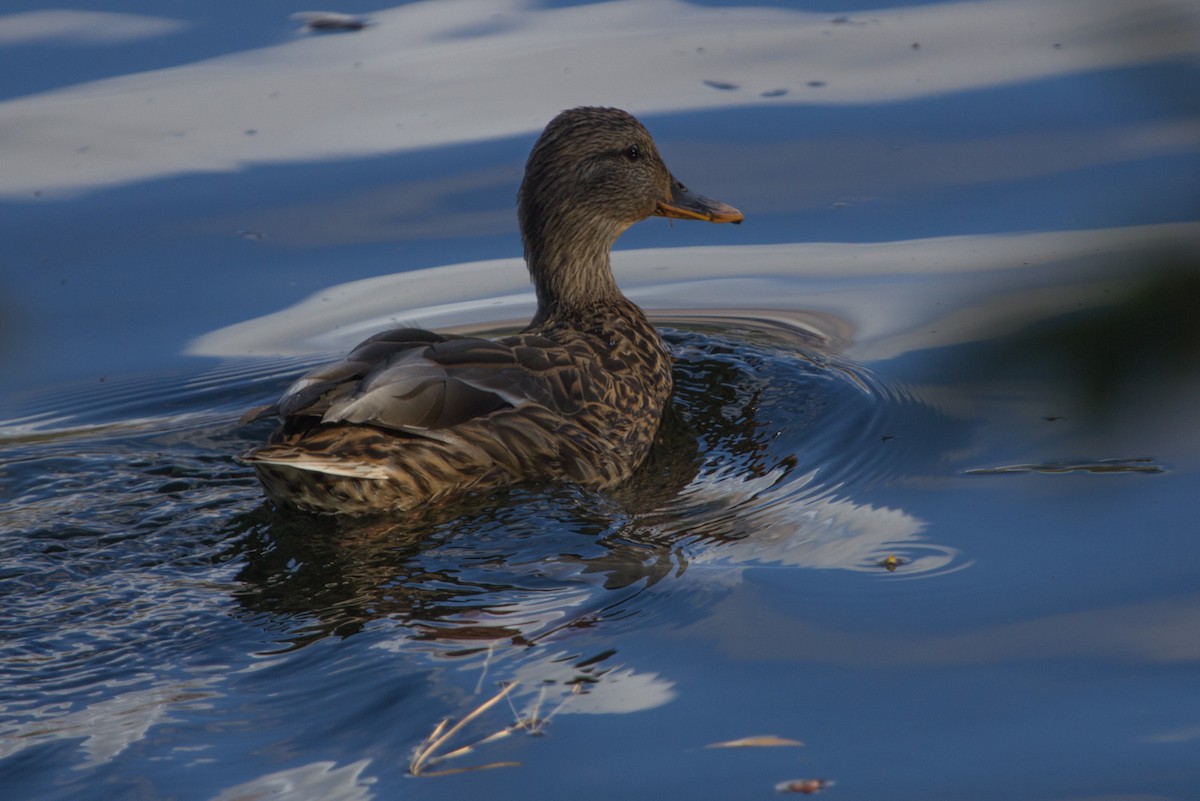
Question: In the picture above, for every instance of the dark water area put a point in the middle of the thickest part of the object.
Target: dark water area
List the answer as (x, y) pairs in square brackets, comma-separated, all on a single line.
[(924, 501)]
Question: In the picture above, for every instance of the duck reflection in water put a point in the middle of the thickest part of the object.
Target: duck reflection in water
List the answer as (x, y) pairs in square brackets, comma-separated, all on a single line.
[(509, 584), (411, 417), (553, 533), (444, 570), (727, 482)]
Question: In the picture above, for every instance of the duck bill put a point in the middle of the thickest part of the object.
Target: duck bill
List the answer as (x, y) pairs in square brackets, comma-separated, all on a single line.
[(685, 204)]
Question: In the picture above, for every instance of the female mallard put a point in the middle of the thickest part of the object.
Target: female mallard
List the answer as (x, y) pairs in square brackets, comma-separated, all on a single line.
[(410, 416)]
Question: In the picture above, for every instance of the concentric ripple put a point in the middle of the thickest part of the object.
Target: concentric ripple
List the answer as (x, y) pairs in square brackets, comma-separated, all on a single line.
[(791, 443), (767, 454), (142, 560)]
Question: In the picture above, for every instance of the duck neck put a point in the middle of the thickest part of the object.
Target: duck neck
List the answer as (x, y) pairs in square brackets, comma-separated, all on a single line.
[(572, 274)]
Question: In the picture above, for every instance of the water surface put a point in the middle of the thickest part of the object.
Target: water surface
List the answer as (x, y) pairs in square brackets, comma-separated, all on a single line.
[(925, 496)]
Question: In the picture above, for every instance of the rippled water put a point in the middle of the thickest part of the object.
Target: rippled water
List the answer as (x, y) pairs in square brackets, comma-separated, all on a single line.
[(925, 499), (160, 597), (173, 624)]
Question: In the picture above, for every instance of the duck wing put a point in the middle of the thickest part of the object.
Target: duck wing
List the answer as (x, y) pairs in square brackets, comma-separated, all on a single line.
[(418, 382)]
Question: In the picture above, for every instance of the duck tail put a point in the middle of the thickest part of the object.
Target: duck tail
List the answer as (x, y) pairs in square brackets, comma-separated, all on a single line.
[(296, 459)]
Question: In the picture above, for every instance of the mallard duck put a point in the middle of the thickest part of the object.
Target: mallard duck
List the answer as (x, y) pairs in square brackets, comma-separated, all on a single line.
[(411, 417)]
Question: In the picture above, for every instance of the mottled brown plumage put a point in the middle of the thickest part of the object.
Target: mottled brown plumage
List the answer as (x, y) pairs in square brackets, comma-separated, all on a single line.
[(411, 417)]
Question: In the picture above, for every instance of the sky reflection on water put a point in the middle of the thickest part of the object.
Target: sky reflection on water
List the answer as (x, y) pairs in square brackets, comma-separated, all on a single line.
[(477, 70), (945, 201), (415, 147)]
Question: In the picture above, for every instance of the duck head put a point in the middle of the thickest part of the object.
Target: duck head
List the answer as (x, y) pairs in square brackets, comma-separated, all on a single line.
[(592, 173)]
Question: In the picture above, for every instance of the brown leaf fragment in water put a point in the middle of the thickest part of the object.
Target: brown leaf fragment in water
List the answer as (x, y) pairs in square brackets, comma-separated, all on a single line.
[(761, 741), (804, 786)]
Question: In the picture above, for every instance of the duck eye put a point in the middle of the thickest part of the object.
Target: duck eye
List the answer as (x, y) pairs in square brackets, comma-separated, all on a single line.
[(633, 152)]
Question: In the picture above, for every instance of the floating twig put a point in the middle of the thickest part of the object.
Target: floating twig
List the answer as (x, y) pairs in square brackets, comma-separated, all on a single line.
[(425, 754)]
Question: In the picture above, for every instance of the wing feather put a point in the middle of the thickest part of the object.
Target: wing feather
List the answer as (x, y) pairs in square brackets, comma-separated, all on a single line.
[(419, 382)]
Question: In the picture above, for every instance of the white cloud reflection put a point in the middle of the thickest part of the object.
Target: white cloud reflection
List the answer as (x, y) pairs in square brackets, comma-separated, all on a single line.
[(823, 533), (316, 781), (549, 683), (924, 292), (451, 71), (108, 727), (76, 27)]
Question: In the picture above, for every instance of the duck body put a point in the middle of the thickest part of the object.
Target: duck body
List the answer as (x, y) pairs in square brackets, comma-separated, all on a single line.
[(578, 403), (411, 417)]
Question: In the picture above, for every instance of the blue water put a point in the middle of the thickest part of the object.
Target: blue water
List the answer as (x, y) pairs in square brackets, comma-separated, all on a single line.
[(925, 500)]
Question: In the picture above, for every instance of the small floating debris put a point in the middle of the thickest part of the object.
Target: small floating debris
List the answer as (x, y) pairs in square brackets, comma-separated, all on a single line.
[(815, 84), (431, 751), (759, 741), (803, 786), (773, 93), (330, 21), (1139, 465), (891, 562), (722, 85)]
